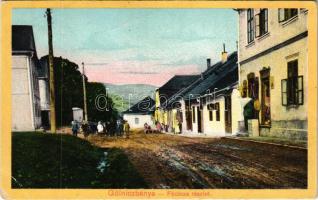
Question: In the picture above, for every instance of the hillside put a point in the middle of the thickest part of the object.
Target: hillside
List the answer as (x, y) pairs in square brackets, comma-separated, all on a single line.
[(123, 94)]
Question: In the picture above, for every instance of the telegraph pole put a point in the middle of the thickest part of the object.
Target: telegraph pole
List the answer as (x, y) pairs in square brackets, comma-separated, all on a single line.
[(84, 92), (52, 92)]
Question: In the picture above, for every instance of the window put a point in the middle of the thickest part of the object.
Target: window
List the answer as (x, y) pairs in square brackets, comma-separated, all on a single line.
[(292, 82), (193, 114), (261, 23), (285, 14), (210, 109), (136, 120), (250, 25), (217, 111), (292, 87), (210, 115)]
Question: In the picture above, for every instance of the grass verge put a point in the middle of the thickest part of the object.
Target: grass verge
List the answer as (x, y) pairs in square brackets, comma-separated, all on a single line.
[(63, 161)]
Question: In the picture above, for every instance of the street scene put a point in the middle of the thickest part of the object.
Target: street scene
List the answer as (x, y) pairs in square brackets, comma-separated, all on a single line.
[(168, 161), (160, 98)]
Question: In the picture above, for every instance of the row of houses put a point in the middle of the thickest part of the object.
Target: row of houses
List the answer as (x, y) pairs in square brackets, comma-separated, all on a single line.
[(260, 89)]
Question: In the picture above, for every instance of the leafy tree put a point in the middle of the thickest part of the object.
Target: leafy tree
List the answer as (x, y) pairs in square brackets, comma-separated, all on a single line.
[(69, 93), (99, 106)]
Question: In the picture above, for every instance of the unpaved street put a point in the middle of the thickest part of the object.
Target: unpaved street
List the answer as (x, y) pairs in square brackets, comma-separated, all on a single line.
[(168, 161)]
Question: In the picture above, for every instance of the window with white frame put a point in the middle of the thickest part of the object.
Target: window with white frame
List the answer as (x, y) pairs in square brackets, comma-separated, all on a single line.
[(285, 14), (261, 22), (250, 25)]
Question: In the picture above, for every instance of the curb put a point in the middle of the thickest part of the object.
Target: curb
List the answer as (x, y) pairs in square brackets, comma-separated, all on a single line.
[(269, 143)]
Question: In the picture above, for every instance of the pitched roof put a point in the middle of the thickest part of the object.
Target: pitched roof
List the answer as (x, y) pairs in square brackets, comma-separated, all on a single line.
[(220, 75), (23, 38), (145, 106), (175, 84)]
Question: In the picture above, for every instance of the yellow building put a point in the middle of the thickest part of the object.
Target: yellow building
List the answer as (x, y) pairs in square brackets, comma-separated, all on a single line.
[(166, 113), (273, 68)]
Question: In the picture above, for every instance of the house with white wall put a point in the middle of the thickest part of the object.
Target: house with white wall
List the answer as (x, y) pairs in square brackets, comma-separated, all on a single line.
[(140, 113), (273, 63), (26, 105), (212, 106)]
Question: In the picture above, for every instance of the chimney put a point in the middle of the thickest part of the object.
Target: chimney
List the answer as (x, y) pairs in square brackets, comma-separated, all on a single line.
[(208, 62), (224, 54)]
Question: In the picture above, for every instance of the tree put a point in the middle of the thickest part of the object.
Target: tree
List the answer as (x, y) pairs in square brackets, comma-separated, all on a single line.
[(69, 93), (99, 107)]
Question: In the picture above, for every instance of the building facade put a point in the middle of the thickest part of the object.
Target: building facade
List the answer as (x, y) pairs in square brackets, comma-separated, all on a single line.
[(209, 104), (140, 113), (273, 69), (26, 105), (166, 112), (212, 106), (44, 85)]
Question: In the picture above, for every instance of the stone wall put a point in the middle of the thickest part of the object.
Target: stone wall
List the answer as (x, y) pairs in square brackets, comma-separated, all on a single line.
[(291, 129)]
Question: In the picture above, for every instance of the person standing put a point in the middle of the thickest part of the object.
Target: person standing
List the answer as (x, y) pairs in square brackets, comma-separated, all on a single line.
[(118, 128), (100, 128), (74, 128), (126, 128)]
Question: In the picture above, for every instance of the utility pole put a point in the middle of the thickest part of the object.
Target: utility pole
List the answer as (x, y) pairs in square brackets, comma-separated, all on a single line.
[(52, 92), (84, 92)]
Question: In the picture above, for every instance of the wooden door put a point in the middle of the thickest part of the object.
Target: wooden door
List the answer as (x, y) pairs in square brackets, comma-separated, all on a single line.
[(265, 98), (189, 118), (228, 114)]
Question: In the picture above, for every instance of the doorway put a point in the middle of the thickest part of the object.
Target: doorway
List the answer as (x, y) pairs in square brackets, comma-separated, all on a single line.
[(45, 119), (199, 119), (265, 97), (228, 114), (189, 118)]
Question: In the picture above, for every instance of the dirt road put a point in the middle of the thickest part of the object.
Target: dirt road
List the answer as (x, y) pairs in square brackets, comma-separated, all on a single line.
[(168, 161)]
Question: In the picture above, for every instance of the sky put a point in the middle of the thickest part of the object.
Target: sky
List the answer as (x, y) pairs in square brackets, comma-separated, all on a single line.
[(134, 46)]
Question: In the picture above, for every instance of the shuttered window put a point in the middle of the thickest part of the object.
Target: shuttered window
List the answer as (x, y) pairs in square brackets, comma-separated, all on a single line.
[(210, 109), (284, 92), (300, 91), (193, 114), (292, 87), (292, 82)]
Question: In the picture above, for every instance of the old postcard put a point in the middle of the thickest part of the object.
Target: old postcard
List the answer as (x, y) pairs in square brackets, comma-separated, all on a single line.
[(158, 99)]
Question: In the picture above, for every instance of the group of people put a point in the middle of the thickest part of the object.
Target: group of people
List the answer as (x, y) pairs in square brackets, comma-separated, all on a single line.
[(122, 128), (118, 128), (159, 127)]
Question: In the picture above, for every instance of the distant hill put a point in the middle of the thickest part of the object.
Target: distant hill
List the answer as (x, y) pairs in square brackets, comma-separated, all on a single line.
[(133, 93)]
